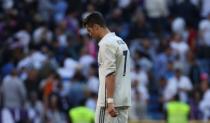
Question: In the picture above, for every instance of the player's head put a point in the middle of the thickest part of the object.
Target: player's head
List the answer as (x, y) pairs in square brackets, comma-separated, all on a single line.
[(94, 23)]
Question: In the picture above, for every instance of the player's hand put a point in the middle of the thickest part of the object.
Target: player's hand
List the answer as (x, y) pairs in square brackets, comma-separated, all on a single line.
[(111, 110)]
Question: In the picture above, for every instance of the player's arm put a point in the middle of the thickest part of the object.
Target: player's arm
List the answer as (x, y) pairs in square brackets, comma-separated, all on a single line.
[(108, 54), (110, 85)]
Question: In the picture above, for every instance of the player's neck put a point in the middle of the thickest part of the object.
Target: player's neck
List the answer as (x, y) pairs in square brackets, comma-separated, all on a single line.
[(104, 32)]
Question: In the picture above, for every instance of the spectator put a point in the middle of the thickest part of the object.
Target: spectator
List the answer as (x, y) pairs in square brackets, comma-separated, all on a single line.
[(13, 90), (48, 86), (45, 9), (205, 8), (89, 45), (163, 64), (14, 96), (91, 101), (180, 47), (54, 114), (67, 70), (32, 82), (179, 84), (35, 60), (24, 37), (7, 68), (7, 4), (195, 97), (81, 114), (35, 108), (93, 81), (140, 75), (140, 100), (42, 35), (204, 29), (177, 111), (139, 28), (124, 3), (117, 23), (85, 60), (157, 11), (6, 116), (179, 26), (61, 37), (190, 15), (162, 93), (194, 70), (142, 60), (59, 10), (77, 89), (204, 103)]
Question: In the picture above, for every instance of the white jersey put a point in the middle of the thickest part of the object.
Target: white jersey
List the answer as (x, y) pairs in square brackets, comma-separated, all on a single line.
[(114, 56)]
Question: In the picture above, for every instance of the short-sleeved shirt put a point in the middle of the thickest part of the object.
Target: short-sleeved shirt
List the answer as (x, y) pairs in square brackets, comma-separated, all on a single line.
[(114, 56)]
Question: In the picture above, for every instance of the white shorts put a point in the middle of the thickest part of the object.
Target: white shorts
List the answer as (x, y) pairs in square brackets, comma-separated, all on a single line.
[(102, 116)]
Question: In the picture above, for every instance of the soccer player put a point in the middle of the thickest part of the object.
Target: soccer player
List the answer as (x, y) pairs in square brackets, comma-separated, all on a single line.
[(114, 97)]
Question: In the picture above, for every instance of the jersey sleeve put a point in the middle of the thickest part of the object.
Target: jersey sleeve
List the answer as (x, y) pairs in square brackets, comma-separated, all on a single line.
[(108, 56)]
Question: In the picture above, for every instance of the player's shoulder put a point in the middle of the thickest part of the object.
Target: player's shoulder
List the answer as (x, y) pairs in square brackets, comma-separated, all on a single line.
[(109, 42), (113, 40)]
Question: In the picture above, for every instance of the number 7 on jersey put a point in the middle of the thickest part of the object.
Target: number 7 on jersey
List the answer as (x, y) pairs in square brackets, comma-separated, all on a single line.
[(125, 53)]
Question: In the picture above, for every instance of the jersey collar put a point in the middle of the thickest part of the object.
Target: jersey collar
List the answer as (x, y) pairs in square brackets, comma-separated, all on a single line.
[(105, 37)]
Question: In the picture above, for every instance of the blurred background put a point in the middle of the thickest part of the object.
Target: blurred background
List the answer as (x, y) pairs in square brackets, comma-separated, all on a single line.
[(48, 63)]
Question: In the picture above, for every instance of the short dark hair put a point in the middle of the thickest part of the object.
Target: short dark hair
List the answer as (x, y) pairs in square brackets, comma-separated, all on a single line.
[(94, 18)]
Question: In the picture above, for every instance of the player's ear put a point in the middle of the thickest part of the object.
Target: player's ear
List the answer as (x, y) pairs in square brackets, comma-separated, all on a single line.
[(96, 26)]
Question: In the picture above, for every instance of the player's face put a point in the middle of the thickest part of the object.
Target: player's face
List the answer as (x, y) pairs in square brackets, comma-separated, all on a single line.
[(93, 31)]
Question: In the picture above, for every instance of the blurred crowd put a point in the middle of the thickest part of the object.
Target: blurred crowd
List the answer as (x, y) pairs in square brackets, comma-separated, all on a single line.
[(49, 63)]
